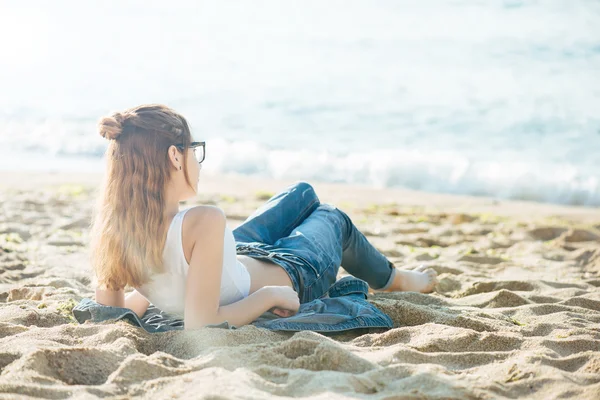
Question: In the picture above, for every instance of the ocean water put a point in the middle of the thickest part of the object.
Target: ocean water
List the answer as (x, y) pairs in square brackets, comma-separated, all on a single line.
[(493, 98)]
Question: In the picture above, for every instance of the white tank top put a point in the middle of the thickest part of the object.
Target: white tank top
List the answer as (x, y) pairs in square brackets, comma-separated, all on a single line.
[(167, 290)]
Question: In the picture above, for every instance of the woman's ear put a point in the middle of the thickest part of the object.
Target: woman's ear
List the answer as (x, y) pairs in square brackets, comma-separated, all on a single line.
[(174, 157)]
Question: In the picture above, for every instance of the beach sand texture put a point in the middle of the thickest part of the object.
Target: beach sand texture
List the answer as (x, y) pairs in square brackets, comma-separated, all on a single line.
[(516, 313)]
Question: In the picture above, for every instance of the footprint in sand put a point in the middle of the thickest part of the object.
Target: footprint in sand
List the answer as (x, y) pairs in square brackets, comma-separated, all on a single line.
[(481, 259), (29, 293), (79, 366), (483, 287), (546, 233), (580, 235)]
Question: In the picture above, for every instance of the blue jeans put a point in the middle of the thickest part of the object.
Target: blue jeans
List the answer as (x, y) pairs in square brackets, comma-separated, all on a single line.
[(310, 241)]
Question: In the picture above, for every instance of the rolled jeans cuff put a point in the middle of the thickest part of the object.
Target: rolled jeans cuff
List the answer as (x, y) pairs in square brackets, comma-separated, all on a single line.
[(390, 280)]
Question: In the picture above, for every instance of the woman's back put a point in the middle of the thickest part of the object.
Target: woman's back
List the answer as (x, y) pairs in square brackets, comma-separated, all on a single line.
[(167, 290)]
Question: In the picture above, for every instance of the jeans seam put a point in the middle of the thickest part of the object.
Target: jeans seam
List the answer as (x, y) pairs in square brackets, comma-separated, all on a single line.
[(320, 274)]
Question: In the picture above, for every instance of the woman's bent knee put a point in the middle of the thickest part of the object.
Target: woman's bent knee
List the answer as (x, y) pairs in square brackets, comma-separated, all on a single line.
[(305, 189)]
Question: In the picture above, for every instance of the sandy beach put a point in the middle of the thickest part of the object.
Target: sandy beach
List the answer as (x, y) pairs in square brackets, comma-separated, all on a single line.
[(516, 313)]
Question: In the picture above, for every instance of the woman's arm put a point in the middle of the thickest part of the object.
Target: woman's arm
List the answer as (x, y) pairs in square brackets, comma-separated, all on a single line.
[(203, 284), (137, 303), (242, 312), (116, 298), (112, 298), (246, 310)]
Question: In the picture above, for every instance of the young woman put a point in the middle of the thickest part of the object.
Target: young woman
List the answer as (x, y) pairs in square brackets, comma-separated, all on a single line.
[(189, 263)]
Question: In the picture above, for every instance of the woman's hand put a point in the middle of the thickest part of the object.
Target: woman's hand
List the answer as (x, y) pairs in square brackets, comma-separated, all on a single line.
[(285, 299)]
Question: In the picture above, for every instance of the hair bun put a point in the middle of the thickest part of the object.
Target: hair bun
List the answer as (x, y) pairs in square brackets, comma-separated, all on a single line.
[(112, 127)]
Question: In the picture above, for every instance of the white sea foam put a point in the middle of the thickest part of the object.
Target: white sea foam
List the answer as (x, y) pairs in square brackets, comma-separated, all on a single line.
[(433, 171), (438, 171)]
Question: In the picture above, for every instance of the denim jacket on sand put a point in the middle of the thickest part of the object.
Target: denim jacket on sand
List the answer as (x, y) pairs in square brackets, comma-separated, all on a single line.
[(343, 307)]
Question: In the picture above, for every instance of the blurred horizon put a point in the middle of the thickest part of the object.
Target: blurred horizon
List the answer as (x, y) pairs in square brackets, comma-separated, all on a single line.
[(498, 98)]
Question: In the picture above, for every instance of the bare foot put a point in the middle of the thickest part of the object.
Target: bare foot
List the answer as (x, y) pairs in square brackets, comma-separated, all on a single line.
[(421, 279)]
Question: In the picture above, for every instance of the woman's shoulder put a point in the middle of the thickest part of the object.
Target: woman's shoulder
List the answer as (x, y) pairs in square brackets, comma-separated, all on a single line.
[(199, 219), (204, 213)]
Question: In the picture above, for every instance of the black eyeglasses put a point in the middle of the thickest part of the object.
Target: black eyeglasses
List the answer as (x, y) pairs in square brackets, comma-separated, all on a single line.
[(199, 150)]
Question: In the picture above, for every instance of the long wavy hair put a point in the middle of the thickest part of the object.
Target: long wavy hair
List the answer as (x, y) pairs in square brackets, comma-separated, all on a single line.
[(129, 229)]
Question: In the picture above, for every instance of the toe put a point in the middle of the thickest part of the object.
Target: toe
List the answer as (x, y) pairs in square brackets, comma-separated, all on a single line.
[(421, 268), (432, 274)]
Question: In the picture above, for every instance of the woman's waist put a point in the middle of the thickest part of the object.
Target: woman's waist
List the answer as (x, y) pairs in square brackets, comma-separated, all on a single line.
[(264, 272)]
